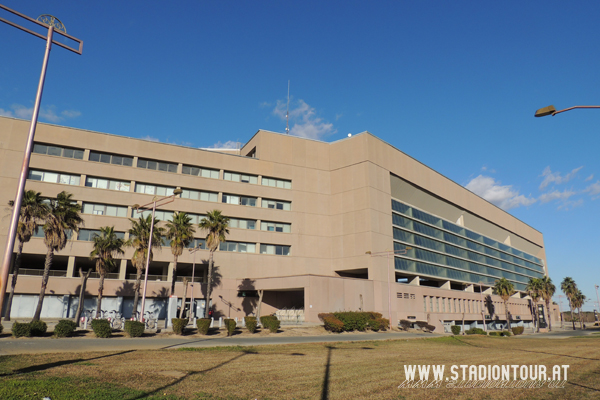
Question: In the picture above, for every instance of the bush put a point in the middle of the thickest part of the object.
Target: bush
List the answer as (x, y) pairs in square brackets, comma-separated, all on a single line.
[(374, 324), (21, 329), (518, 330), (270, 322), (405, 324), (332, 324), (101, 328), (385, 323), (64, 328), (230, 324), (179, 325), (456, 329), (353, 321), (134, 328), (322, 316), (203, 325), (475, 331), (251, 324), (1, 328), (506, 333), (374, 315), (38, 328), (494, 334), (425, 326)]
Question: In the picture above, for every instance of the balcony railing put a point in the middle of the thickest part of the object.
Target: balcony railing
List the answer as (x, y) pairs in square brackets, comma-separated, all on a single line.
[(197, 279), (40, 272), (132, 277), (95, 275)]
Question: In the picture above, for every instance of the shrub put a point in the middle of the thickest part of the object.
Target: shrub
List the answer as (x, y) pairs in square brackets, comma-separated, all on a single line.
[(322, 316), (456, 329), (134, 328), (506, 333), (475, 331), (203, 325), (494, 334), (1, 328), (332, 324), (374, 315), (38, 328), (21, 329), (353, 321), (518, 330), (270, 322), (179, 325), (374, 324), (101, 328), (384, 323), (64, 328), (230, 324), (405, 324), (252, 323)]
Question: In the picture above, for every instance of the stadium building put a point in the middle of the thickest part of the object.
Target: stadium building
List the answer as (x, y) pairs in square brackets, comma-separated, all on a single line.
[(317, 227)]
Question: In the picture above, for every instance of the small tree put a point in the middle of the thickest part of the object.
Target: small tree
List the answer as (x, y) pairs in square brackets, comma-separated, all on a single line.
[(180, 232), (534, 288), (107, 245), (547, 291), (578, 301), (504, 289), (215, 224), (569, 288)]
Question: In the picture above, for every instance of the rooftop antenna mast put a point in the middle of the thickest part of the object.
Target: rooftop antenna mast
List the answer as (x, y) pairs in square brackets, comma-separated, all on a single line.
[(287, 113)]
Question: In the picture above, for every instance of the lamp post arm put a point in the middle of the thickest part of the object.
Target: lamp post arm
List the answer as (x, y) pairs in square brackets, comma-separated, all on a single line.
[(572, 108)]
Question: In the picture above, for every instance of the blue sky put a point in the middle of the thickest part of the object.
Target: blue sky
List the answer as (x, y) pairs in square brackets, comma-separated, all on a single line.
[(453, 84)]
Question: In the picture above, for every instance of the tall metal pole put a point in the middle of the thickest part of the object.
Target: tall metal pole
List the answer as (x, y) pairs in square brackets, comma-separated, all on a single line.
[(14, 221), (598, 299), (192, 311), (148, 260)]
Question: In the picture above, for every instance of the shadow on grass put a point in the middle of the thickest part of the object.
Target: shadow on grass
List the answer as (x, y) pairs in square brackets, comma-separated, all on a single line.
[(582, 386), (192, 373), (43, 367), (325, 391)]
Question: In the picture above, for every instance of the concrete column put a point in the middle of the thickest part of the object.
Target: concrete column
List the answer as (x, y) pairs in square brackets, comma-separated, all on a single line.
[(470, 288), (135, 160), (445, 285), (70, 267), (415, 281), (82, 181), (488, 291), (132, 186), (179, 168), (168, 270), (123, 270), (86, 155)]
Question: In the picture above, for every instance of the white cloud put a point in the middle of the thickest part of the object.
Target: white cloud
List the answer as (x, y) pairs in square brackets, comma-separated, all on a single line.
[(593, 190), (47, 113), (503, 196), (303, 120), (229, 145), (556, 195), (150, 138), (556, 177), (589, 178)]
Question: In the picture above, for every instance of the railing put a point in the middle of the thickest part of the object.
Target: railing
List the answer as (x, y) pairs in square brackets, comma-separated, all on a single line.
[(96, 275), (133, 277), (40, 272), (196, 279), (290, 317)]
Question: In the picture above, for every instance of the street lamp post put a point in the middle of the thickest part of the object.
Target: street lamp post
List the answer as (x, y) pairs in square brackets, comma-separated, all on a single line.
[(560, 310), (53, 25), (194, 250), (154, 202), (550, 110), (388, 254)]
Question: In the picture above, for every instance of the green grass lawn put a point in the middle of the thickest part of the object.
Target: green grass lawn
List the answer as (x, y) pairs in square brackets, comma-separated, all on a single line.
[(356, 370)]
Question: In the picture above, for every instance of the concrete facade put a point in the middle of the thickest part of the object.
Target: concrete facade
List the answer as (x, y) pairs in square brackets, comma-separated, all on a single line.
[(340, 209)]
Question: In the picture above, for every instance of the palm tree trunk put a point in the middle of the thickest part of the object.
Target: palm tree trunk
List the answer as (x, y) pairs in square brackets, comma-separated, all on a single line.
[(84, 279), (507, 316), (580, 320), (537, 316), (174, 275), (260, 297), (209, 285), (183, 300), (13, 283), (47, 265), (572, 317), (136, 289), (549, 316), (100, 290)]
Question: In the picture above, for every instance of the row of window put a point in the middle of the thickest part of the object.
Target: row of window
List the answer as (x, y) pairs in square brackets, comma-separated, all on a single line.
[(441, 223), (452, 305), (118, 159), (54, 177)]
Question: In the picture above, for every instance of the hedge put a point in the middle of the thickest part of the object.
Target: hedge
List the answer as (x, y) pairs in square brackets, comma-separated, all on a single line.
[(101, 328), (21, 329), (1, 328), (405, 324), (425, 326), (179, 325), (518, 330), (251, 324), (456, 329), (332, 324), (475, 331), (270, 322), (203, 325), (374, 324), (134, 328), (230, 324), (385, 323), (38, 328), (64, 328), (353, 321)]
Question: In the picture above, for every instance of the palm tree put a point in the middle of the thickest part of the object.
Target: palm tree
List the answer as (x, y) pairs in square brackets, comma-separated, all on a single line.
[(569, 288), (106, 245), (33, 212), (181, 233), (139, 235), (547, 291), (63, 216), (505, 289), (578, 301), (534, 288), (215, 224)]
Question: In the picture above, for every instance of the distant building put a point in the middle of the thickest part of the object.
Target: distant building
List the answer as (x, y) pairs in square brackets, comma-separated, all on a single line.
[(304, 215)]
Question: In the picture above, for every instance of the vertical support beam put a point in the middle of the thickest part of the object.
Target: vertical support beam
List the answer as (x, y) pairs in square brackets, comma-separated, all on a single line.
[(445, 285), (123, 270), (415, 281), (71, 267), (470, 289), (169, 272)]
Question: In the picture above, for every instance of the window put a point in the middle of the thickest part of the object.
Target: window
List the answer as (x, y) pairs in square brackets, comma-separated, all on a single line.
[(242, 223), (196, 218), (54, 177), (101, 183), (158, 214), (275, 227), (201, 172), (154, 189), (58, 151), (197, 195), (239, 247), (277, 204), (235, 177), (280, 183), (197, 243), (275, 249), (156, 165), (108, 158), (104, 209), (88, 234), (241, 200)]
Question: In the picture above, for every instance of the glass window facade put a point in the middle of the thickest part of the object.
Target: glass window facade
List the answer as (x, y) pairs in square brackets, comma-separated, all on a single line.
[(274, 182), (54, 177), (275, 227), (59, 151), (88, 234), (237, 177), (275, 249), (158, 214), (199, 195), (154, 189), (201, 172), (242, 223), (241, 200), (101, 183), (156, 165), (277, 204), (239, 247), (104, 209), (107, 158), (443, 249)]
